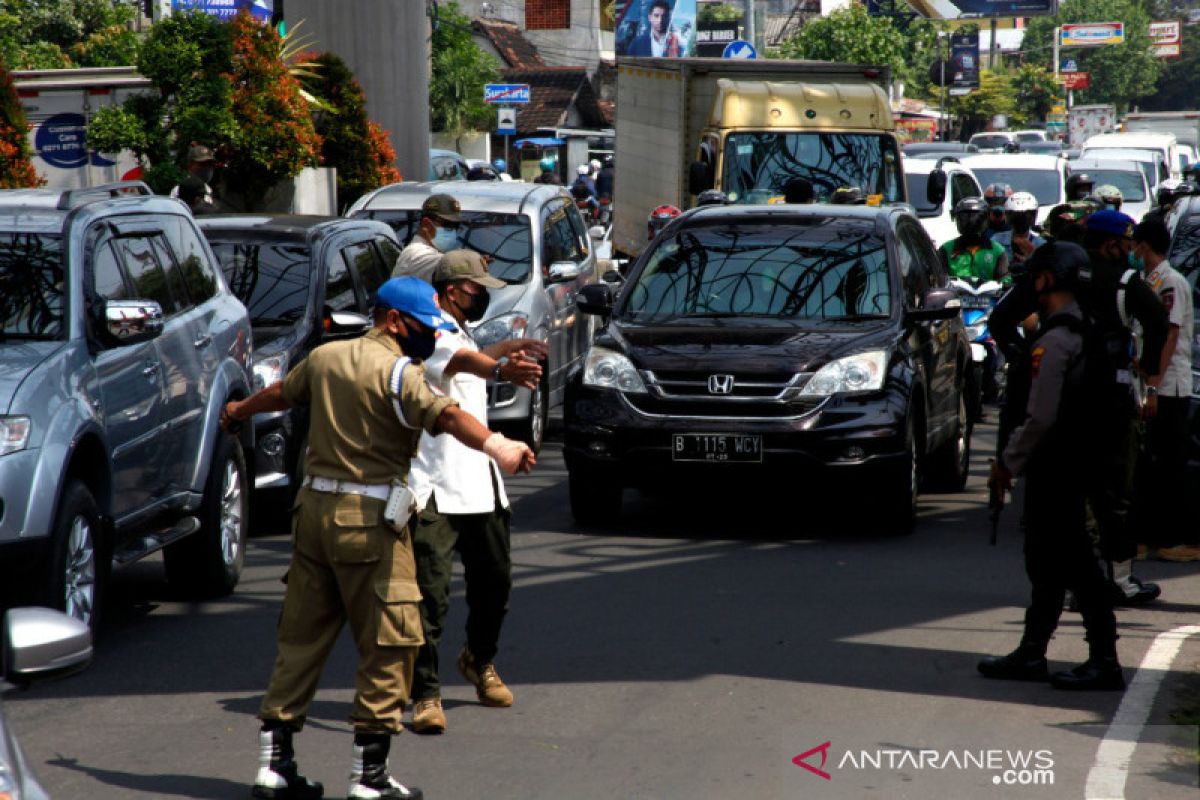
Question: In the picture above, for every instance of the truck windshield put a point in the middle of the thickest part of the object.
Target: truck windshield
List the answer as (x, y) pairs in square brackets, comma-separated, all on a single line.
[(31, 286), (759, 165), (832, 269)]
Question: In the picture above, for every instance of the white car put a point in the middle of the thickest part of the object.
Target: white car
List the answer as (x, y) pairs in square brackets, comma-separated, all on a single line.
[(993, 141), (1032, 135), (938, 219), (1148, 161), (1044, 177), (1125, 175), (1163, 143)]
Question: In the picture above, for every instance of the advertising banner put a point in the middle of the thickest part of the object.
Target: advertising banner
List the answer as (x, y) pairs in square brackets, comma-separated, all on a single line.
[(656, 28), (1077, 80), (964, 62), (969, 9), (1091, 34), (713, 37), (228, 9)]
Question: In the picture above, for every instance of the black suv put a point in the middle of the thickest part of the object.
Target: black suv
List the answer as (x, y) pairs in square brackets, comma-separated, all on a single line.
[(785, 342), (305, 280)]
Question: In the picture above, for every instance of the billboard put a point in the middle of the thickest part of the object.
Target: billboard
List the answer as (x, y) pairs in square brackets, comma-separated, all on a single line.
[(656, 28), (975, 9), (964, 62), (261, 10)]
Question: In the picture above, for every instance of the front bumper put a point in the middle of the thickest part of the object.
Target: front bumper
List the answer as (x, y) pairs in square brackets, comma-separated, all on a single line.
[(276, 448), (838, 442), (18, 476)]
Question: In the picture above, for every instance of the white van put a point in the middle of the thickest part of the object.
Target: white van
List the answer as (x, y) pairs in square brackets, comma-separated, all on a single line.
[(1150, 162), (1164, 143), (1044, 177)]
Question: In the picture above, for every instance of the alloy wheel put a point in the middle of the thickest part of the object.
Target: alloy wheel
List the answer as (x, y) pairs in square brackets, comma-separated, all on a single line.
[(79, 580), (231, 513)]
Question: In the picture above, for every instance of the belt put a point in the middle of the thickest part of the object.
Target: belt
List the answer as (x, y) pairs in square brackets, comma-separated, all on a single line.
[(379, 491)]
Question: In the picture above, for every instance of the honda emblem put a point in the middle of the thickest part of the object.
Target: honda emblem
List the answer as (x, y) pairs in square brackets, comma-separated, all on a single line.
[(720, 384)]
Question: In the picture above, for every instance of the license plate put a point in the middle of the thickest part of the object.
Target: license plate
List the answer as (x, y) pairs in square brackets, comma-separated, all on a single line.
[(975, 302), (716, 447)]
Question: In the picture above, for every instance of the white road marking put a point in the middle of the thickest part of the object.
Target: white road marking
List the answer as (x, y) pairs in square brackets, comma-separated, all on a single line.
[(1106, 779)]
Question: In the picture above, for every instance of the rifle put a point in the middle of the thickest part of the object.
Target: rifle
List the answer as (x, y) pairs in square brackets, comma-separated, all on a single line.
[(995, 506)]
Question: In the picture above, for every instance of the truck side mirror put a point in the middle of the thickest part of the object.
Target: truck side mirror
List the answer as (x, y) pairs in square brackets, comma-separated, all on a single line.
[(935, 189), (700, 177)]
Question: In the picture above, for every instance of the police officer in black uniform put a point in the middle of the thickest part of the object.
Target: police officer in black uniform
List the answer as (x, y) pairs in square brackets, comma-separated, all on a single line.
[(1052, 450)]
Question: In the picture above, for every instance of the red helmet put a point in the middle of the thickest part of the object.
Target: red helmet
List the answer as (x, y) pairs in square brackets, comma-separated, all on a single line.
[(659, 218)]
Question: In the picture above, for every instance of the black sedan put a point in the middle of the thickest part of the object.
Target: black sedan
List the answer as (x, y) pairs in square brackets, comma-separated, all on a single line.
[(305, 280), (796, 344)]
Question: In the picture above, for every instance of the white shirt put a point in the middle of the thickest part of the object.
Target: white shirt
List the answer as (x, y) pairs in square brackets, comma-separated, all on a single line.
[(1176, 295), (658, 46), (420, 258), (459, 477), (208, 195)]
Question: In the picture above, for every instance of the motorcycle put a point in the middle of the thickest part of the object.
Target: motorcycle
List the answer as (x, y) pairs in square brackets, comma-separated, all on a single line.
[(978, 298), (604, 213)]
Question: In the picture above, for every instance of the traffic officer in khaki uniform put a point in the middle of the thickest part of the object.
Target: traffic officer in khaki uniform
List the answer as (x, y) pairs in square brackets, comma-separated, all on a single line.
[(369, 404)]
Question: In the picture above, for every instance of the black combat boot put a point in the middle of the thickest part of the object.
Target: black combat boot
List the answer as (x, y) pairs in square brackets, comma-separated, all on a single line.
[(278, 775), (369, 778), (1098, 673), (1026, 663)]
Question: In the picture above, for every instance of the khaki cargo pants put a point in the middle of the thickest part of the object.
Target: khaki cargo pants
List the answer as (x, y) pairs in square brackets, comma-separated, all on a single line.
[(347, 566)]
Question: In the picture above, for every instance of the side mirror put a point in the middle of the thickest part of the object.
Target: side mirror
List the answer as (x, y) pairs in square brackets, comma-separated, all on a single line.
[(939, 304), (43, 643), (595, 299), (129, 322), (596, 231), (935, 189), (342, 323), (700, 177), (563, 271)]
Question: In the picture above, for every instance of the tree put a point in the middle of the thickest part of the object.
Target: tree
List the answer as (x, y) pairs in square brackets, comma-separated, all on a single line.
[(1119, 73), (458, 72), (16, 170), (1176, 87), (994, 96), (719, 12), (359, 149), (1036, 92), (55, 34)]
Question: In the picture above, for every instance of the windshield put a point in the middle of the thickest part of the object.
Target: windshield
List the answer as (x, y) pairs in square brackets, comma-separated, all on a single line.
[(31, 286), (1030, 136), (759, 165), (1129, 182), (1044, 184), (916, 194), (828, 270), (504, 238), (270, 278), (995, 141)]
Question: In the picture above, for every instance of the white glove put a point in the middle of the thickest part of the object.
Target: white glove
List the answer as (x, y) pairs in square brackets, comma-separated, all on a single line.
[(510, 455)]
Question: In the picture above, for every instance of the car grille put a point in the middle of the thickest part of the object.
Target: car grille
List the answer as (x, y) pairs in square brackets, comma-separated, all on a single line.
[(728, 395)]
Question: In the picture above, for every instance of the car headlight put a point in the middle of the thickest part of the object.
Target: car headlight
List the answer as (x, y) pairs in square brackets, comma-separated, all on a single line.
[(497, 329), (269, 370), (14, 434), (608, 369), (864, 372)]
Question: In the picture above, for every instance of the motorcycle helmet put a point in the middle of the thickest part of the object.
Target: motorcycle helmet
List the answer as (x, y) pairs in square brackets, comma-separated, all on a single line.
[(971, 216), (583, 169), (594, 165), (997, 194), (1168, 191), (1109, 196), (547, 164), (500, 165), (712, 197), (659, 218), (1021, 206), (1079, 186), (1065, 260)]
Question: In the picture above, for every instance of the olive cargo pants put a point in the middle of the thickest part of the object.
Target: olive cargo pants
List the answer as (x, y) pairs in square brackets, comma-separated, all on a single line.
[(347, 566), (483, 543)]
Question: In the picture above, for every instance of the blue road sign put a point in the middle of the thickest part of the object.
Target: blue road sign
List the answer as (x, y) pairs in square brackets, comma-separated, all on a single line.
[(739, 49), (506, 93), (1069, 65)]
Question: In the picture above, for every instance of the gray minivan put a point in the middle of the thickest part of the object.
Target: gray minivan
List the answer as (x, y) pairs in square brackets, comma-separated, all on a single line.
[(539, 245), (119, 344)]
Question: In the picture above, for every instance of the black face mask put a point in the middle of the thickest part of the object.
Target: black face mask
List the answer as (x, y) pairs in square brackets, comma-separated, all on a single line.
[(1020, 223), (478, 306), (205, 174), (419, 347)]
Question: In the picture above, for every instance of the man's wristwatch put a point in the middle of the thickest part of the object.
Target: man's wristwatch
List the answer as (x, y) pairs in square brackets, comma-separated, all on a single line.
[(500, 362)]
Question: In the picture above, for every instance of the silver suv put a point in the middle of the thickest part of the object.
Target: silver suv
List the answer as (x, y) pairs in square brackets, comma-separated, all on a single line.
[(119, 343), (539, 245)]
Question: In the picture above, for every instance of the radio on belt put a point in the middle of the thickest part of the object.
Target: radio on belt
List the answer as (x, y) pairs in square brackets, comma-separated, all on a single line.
[(400, 504)]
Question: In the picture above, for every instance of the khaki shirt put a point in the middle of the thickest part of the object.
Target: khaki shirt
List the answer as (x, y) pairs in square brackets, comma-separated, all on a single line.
[(368, 405)]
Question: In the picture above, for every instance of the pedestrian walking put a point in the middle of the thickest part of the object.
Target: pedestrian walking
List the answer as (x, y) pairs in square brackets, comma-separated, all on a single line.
[(352, 556), (465, 507), (1163, 513), (437, 233), (1051, 449)]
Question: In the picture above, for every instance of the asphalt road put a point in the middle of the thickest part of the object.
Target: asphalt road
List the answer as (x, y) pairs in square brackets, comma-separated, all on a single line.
[(693, 651)]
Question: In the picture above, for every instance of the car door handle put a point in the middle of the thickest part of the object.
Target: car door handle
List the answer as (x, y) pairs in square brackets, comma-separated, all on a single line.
[(203, 341), (151, 370)]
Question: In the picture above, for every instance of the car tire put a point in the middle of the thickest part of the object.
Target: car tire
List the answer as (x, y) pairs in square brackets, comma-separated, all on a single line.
[(532, 431), (898, 512), (209, 562), (595, 496), (77, 570), (950, 464)]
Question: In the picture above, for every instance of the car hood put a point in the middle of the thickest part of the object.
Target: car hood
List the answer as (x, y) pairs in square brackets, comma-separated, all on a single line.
[(747, 345), (17, 361), (503, 301)]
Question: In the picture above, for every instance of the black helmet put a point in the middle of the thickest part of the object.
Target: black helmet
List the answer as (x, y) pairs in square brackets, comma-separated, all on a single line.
[(971, 216), (1079, 186), (1065, 260), (712, 197)]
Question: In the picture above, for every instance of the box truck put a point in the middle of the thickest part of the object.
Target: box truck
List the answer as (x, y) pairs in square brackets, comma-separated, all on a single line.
[(747, 127), (1084, 122)]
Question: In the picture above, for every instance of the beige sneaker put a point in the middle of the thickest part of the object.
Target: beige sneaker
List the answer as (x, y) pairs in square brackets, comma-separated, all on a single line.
[(490, 690), (1183, 552), (428, 716)]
